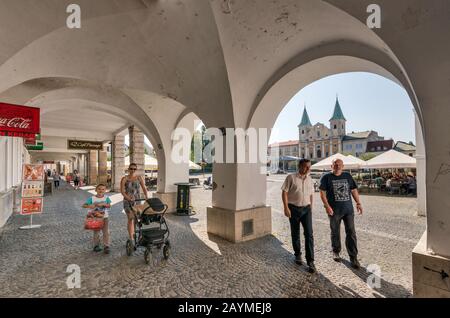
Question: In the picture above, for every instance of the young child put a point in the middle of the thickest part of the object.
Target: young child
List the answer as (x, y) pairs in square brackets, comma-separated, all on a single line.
[(100, 204)]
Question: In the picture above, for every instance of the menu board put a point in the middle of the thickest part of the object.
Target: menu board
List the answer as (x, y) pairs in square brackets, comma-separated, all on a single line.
[(32, 205), (33, 172), (32, 189)]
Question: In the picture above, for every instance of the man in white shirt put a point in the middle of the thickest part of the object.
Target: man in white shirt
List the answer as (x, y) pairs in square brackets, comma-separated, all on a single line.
[(297, 196)]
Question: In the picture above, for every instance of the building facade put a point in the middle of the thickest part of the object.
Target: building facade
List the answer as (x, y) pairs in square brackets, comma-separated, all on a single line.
[(357, 143), (406, 148), (317, 142)]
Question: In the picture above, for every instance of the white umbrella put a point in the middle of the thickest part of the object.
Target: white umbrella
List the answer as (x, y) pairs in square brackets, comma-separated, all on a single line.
[(194, 166), (360, 161), (150, 162), (391, 159), (325, 164)]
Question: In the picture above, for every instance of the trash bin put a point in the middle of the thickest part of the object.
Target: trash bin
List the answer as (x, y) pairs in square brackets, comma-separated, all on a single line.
[(183, 198)]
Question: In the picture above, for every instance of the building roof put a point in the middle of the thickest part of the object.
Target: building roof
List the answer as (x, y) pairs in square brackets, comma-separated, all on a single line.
[(403, 146), (358, 135), (372, 146), (285, 143), (305, 119), (337, 114)]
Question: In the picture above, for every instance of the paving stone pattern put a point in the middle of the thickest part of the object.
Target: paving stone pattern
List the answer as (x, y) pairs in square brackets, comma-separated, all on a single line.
[(33, 262)]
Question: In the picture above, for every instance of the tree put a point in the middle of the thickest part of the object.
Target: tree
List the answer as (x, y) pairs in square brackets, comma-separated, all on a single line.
[(367, 156)]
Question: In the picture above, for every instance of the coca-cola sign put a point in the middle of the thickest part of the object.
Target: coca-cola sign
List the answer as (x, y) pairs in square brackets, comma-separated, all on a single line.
[(19, 119)]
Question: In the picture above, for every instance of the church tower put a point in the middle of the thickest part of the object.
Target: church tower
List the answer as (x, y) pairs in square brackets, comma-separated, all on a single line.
[(303, 133), (337, 121), (303, 126)]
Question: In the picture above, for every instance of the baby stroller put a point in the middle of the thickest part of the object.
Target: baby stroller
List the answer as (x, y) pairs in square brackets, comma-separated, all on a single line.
[(208, 184), (146, 234)]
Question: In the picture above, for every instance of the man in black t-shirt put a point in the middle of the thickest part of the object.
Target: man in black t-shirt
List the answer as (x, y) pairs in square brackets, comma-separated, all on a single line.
[(336, 191)]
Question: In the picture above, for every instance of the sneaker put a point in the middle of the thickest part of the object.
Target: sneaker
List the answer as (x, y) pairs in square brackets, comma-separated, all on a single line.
[(355, 263), (298, 259), (311, 267), (97, 248), (336, 257), (106, 250)]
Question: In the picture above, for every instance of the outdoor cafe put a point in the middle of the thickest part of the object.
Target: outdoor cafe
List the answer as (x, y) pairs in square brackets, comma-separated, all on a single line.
[(390, 173)]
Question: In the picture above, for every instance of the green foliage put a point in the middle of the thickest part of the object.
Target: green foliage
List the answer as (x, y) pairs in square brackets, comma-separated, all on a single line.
[(367, 156)]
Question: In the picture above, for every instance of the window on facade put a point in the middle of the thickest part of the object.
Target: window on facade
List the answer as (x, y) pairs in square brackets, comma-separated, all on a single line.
[(303, 132), (318, 134), (335, 127)]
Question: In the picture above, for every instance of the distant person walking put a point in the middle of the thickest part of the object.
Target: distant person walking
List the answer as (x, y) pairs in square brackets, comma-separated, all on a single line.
[(56, 179), (130, 186), (337, 188), (76, 179), (297, 195)]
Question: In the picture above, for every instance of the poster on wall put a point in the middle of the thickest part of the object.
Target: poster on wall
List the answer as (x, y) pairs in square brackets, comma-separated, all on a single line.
[(33, 172), (32, 189), (31, 206)]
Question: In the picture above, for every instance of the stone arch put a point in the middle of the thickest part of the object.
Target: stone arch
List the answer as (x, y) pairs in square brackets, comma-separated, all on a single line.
[(319, 62)]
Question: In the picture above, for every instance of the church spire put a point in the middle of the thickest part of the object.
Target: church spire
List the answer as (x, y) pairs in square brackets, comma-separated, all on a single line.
[(305, 118), (337, 114)]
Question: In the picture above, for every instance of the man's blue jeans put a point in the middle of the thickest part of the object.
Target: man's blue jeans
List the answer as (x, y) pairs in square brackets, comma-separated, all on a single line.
[(302, 215)]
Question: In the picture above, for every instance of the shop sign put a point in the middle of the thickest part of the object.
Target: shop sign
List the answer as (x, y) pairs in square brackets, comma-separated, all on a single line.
[(19, 119)]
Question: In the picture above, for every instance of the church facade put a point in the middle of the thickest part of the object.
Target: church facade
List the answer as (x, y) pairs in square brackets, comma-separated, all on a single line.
[(320, 141)]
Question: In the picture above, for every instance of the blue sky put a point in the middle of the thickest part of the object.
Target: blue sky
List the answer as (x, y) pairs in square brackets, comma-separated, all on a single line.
[(368, 101)]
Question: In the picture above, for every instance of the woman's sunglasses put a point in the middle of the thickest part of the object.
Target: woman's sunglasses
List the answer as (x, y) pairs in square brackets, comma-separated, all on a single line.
[(132, 169)]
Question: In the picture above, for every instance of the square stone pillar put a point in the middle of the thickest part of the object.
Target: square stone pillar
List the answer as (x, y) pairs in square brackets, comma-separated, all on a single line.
[(239, 211), (102, 167), (118, 161), (93, 166), (137, 154), (427, 280)]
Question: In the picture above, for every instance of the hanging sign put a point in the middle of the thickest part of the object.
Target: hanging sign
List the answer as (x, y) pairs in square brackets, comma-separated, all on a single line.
[(19, 119), (84, 145)]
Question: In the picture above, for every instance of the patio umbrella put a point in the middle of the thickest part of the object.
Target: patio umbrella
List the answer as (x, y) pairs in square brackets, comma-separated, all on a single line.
[(360, 161), (194, 166), (391, 159), (325, 164), (150, 162)]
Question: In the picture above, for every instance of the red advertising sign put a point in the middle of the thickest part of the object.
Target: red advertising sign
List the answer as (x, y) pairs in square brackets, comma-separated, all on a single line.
[(31, 205), (19, 119)]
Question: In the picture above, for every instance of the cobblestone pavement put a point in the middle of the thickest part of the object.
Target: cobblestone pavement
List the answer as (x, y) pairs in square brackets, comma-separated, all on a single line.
[(33, 262)]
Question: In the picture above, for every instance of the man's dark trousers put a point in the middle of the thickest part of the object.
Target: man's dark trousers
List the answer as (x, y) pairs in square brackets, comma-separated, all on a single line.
[(350, 233), (302, 215)]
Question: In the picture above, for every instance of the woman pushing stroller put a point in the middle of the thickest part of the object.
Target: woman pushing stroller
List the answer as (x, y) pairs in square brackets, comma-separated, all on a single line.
[(130, 186)]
